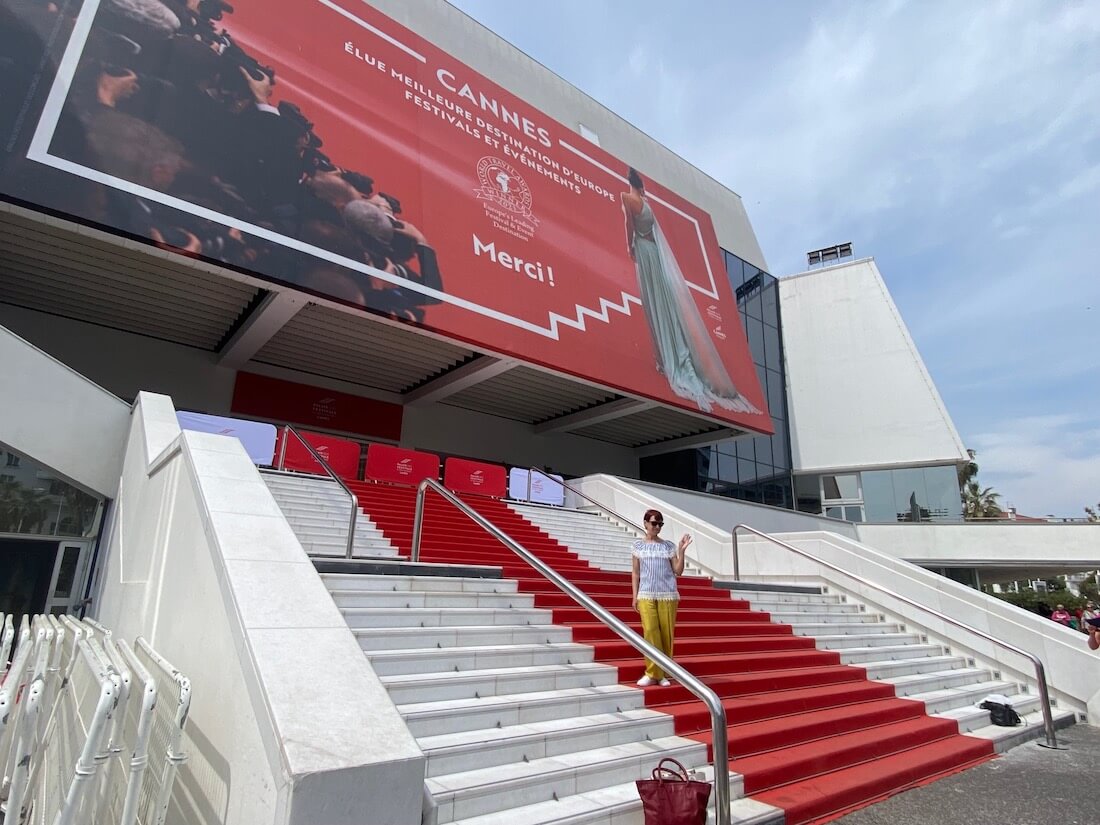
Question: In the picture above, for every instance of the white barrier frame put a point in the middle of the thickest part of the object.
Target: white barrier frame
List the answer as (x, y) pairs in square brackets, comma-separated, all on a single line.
[(174, 755), (7, 636), (85, 664)]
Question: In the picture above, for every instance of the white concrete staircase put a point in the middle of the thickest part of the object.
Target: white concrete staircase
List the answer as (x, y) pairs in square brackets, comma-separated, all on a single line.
[(318, 511), (948, 683), (590, 535), (518, 723)]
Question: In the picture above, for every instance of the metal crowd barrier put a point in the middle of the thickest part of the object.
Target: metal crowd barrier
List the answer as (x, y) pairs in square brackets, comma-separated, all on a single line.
[(83, 737)]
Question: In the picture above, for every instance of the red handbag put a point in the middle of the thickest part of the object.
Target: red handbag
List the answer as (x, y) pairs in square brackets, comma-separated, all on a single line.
[(672, 798)]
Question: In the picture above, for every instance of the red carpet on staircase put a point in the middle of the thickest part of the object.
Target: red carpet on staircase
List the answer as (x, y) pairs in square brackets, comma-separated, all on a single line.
[(808, 734)]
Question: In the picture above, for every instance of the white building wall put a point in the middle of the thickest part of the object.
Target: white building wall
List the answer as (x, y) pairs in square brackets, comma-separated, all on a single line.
[(859, 394), (58, 417)]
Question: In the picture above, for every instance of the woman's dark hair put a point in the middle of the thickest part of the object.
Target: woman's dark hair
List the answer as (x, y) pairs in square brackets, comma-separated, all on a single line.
[(394, 203), (651, 514), (634, 179)]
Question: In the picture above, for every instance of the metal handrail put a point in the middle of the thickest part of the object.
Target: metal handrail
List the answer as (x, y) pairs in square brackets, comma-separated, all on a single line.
[(666, 663), (585, 496), (1040, 671), (324, 466)]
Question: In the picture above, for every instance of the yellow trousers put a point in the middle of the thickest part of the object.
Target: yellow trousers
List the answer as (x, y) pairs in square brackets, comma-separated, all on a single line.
[(658, 628)]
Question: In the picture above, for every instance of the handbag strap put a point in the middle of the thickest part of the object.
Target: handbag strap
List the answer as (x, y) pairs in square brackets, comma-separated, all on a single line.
[(679, 774)]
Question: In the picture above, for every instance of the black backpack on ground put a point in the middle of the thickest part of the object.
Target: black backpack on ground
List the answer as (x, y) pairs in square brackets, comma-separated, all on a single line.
[(1001, 714)]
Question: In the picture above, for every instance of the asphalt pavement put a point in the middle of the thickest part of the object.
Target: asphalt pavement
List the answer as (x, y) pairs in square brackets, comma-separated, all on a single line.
[(1029, 785)]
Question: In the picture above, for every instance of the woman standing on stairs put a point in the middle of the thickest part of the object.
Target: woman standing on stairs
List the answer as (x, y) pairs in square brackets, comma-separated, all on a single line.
[(655, 564)]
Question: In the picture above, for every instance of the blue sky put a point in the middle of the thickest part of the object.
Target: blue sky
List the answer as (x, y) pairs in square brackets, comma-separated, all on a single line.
[(957, 143)]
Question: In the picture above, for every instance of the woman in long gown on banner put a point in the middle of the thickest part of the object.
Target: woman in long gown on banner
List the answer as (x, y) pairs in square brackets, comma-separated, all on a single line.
[(686, 354)]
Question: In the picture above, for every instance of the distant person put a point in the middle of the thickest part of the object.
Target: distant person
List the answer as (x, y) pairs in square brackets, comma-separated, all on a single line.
[(1087, 615), (1061, 615)]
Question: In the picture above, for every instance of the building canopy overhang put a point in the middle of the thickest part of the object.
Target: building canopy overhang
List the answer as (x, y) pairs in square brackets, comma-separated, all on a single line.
[(63, 268)]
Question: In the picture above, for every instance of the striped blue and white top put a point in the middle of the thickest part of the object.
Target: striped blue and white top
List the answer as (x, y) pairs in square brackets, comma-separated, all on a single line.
[(655, 577)]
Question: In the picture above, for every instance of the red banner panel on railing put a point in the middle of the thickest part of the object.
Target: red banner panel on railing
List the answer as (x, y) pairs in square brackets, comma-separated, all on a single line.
[(465, 476), (279, 400), (326, 147), (339, 453), (386, 463)]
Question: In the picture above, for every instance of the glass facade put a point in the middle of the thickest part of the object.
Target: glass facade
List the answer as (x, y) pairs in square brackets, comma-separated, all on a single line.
[(752, 469), (883, 496), (34, 501)]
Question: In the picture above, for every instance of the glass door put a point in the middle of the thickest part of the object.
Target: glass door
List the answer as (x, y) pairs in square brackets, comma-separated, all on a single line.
[(70, 577)]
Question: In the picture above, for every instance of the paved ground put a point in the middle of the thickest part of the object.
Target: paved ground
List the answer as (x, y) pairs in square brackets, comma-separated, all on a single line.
[(1029, 785)]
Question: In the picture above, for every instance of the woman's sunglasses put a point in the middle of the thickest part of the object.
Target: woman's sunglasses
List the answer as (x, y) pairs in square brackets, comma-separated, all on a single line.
[(656, 523)]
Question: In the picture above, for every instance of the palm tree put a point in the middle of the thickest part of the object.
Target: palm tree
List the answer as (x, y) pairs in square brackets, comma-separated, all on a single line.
[(968, 470), (33, 509), (980, 503)]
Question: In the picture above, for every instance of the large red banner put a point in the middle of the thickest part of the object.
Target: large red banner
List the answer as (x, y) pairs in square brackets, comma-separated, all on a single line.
[(278, 400), (326, 146)]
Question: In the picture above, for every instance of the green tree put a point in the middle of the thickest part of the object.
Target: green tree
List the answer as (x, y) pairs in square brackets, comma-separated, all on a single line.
[(979, 502), (1089, 589), (969, 470)]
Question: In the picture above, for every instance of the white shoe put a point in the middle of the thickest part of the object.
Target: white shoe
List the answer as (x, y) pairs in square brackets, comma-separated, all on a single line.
[(645, 681), (664, 683)]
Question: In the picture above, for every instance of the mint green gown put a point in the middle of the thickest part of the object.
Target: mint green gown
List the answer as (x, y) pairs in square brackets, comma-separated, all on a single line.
[(686, 353)]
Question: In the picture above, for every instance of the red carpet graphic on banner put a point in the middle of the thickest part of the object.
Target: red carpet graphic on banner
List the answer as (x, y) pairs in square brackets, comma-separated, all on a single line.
[(810, 735)]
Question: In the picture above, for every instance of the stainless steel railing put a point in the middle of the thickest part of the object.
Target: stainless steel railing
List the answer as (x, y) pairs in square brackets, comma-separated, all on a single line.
[(288, 430), (666, 663), (585, 496), (1040, 671)]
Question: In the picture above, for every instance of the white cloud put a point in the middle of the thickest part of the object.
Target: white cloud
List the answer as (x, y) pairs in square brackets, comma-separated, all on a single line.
[(1043, 465)]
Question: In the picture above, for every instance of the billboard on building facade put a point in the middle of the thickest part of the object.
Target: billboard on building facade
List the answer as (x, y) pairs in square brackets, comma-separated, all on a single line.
[(322, 145)]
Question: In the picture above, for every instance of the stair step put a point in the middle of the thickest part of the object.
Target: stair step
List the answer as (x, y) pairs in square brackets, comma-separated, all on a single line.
[(915, 683), (896, 668), (845, 628), (435, 660), (867, 655), (451, 752), (347, 582), (694, 717), (856, 641), (940, 699), (430, 599), (486, 790), (473, 684), (784, 598), (453, 716), (424, 617), (615, 805), (838, 791), (419, 638), (779, 767)]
